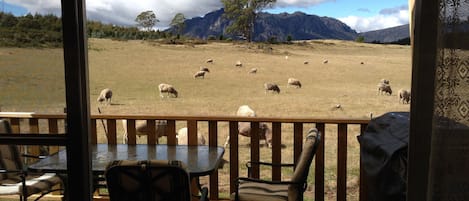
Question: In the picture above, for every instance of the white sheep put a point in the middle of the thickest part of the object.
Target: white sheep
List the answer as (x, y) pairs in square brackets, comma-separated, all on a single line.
[(200, 74), (182, 137), (384, 88), (239, 64), (168, 89), (244, 128), (271, 87), (253, 71), (210, 61), (325, 61), (404, 96), (306, 62), (294, 82), (141, 128), (105, 95)]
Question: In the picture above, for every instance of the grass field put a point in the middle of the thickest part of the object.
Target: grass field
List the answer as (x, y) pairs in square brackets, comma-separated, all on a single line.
[(33, 80)]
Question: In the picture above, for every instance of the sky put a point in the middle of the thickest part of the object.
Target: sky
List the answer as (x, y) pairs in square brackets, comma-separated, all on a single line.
[(360, 15)]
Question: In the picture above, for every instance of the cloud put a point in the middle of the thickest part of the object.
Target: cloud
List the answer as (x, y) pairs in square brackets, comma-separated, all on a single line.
[(365, 10), (123, 12), (387, 18), (299, 3)]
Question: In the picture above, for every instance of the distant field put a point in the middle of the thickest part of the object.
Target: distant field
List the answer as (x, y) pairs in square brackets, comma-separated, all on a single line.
[(32, 80)]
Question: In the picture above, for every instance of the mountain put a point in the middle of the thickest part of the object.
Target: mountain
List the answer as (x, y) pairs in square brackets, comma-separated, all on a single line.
[(388, 35), (298, 25)]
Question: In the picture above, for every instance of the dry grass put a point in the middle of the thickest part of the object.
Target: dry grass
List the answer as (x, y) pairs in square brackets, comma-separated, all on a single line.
[(32, 80)]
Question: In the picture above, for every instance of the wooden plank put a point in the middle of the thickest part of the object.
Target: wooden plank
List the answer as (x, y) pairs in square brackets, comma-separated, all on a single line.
[(171, 132), (255, 137), (131, 131), (34, 129), (213, 141), (53, 129), (15, 125), (297, 141), (234, 160), (192, 132), (152, 139), (319, 166), (342, 162), (363, 185), (111, 131), (276, 150)]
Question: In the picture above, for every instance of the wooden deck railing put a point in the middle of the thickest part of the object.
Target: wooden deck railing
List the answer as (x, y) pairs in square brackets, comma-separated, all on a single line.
[(105, 129)]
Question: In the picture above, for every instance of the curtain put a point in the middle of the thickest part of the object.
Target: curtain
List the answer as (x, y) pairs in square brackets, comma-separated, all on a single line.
[(449, 156)]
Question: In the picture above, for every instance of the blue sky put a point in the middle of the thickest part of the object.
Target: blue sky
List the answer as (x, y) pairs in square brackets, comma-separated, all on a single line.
[(360, 15)]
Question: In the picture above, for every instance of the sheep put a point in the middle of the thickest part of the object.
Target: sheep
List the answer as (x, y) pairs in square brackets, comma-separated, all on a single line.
[(306, 62), (384, 88), (294, 82), (404, 96), (253, 71), (105, 95), (325, 61), (239, 64), (182, 137), (200, 74), (210, 61), (384, 81), (271, 87), (141, 128), (244, 128), (204, 69), (168, 89)]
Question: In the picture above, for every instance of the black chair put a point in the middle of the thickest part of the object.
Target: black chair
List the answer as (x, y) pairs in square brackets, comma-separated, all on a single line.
[(149, 180), (292, 190), (14, 177)]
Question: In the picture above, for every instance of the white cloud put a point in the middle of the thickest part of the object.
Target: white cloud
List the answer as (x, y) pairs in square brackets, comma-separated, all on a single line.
[(387, 18), (123, 12)]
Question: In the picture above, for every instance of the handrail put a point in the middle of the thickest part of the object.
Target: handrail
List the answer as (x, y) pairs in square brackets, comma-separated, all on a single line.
[(298, 123)]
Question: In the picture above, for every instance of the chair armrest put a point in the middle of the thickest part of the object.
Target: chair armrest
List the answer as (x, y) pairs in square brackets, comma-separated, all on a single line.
[(33, 156), (249, 165)]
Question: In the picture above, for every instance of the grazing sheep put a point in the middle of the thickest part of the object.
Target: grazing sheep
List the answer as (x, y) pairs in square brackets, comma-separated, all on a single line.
[(306, 62), (384, 88), (244, 128), (294, 82), (204, 69), (210, 61), (404, 96), (182, 137), (168, 89), (325, 61), (253, 71), (141, 128), (271, 87), (239, 64), (200, 74), (105, 95), (362, 62), (384, 81), (286, 57)]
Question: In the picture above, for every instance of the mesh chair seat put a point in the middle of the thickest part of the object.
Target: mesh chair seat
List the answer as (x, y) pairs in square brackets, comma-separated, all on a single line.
[(292, 190), (14, 180)]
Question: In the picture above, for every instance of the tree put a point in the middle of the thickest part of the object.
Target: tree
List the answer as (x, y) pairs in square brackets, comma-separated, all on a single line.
[(178, 23), (243, 15), (146, 20)]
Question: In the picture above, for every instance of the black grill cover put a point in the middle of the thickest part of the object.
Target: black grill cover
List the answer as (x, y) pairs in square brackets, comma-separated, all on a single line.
[(383, 148)]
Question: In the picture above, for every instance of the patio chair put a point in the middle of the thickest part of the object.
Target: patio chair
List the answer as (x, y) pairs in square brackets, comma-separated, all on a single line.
[(257, 189), (14, 177), (149, 180)]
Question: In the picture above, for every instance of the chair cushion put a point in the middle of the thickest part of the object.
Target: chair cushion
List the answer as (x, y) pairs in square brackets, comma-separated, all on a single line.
[(261, 191), (34, 184)]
